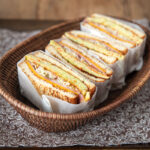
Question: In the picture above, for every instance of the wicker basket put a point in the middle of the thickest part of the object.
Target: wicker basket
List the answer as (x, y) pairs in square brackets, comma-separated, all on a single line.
[(52, 122)]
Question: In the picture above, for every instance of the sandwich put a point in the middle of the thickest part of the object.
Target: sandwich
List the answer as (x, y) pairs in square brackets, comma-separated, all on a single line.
[(111, 53), (124, 33), (78, 70), (79, 60), (114, 29), (52, 78)]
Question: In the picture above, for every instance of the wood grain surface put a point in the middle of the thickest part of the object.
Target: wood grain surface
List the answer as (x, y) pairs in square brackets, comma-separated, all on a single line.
[(69, 9)]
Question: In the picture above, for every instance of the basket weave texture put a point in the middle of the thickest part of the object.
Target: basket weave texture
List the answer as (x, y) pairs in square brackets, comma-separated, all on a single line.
[(51, 122)]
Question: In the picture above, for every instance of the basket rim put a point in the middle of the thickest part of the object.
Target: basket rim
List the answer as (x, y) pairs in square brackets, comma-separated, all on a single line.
[(16, 103)]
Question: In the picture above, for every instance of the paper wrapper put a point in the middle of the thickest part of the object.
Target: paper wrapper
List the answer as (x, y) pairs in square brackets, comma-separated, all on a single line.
[(102, 87), (135, 55), (133, 60), (102, 91), (118, 78), (49, 103)]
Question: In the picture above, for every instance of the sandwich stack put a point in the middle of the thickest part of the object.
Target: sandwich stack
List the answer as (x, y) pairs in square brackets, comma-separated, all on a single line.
[(77, 71)]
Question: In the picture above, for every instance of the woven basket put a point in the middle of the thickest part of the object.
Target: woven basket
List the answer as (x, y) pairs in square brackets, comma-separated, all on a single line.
[(52, 122)]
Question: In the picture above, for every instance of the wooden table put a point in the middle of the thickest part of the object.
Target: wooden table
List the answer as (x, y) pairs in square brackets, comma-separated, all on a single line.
[(29, 25)]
